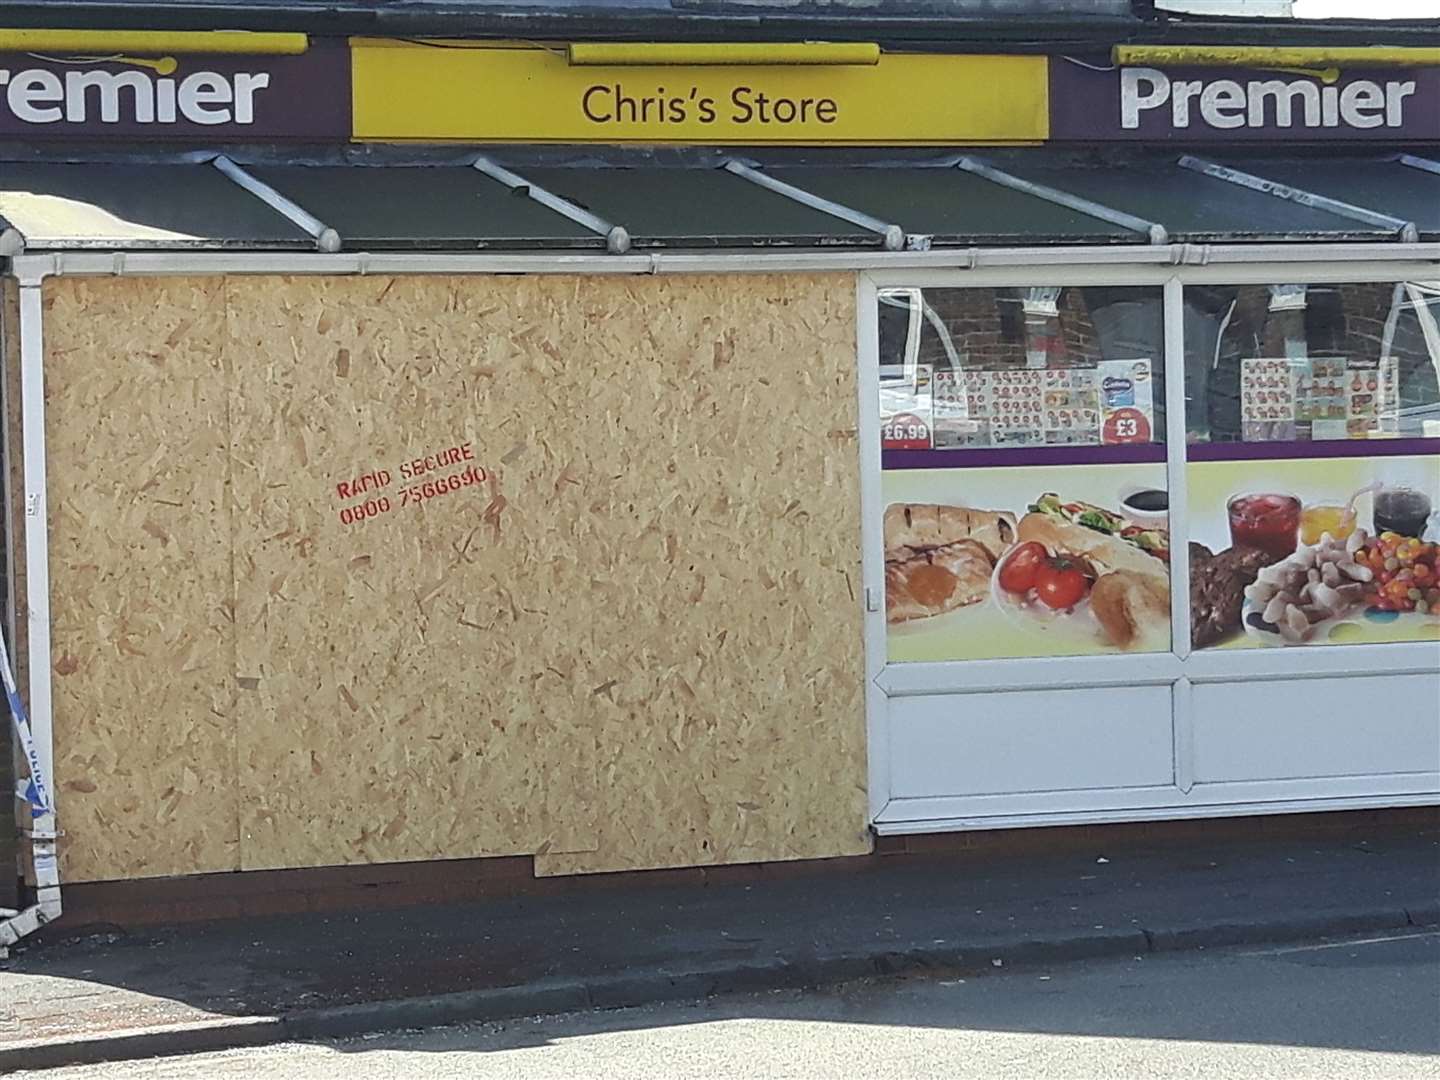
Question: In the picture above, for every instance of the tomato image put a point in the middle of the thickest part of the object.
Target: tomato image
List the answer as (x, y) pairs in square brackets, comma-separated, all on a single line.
[(1060, 583), (1018, 574)]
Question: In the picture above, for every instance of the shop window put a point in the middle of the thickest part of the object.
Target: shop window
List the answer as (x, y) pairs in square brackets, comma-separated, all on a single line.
[(1281, 363), (1312, 482), (1026, 511)]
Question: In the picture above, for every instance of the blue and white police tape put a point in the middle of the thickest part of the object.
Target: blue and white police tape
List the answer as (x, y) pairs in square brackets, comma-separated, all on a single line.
[(31, 790)]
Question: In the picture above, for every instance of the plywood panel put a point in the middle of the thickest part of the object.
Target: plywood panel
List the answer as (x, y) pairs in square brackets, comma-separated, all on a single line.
[(723, 468), (415, 681), (637, 643), (140, 577)]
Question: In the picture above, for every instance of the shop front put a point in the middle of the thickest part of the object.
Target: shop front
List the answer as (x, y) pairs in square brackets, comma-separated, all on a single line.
[(1161, 545), (628, 508)]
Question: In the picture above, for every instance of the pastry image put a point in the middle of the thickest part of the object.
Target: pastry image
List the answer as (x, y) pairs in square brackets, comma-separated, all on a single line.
[(936, 580), (929, 525)]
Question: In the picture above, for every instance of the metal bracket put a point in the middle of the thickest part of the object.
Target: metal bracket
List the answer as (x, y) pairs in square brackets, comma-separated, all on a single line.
[(1154, 232), (1404, 230), (326, 238), (893, 235), (617, 237), (1423, 164)]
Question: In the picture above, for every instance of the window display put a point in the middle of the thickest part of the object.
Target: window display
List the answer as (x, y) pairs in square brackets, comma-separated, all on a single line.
[(1313, 363), (994, 368), (1024, 480), (1312, 472)]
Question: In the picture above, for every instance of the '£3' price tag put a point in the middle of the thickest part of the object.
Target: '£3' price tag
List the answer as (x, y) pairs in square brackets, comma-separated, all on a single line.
[(1126, 426)]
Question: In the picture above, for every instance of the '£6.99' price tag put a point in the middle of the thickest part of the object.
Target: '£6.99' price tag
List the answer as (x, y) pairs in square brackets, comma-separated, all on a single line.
[(905, 431)]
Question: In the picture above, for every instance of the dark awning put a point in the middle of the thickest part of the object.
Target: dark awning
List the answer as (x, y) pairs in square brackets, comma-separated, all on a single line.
[(609, 199)]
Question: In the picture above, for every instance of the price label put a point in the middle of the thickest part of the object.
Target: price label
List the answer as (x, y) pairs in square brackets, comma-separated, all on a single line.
[(1126, 426), (905, 431)]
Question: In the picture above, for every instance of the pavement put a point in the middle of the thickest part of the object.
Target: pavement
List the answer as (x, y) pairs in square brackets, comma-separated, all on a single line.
[(1365, 1009), (248, 982)]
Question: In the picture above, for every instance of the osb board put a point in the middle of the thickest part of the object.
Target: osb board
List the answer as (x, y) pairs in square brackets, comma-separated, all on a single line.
[(656, 583), (416, 690), (142, 639), (720, 487)]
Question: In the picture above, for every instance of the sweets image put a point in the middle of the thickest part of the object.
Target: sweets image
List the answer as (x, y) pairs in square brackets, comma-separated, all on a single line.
[(1075, 378), (958, 419), (1319, 389), (1292, 601)]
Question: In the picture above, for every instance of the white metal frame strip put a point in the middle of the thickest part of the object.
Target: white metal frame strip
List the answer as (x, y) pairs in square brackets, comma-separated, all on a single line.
[(1405, 230), (1423, 164), (892, 236), (1156, 232), (617, 237), (1173, 362), (43, 830), (326, 238), (1180, 669), (872, 558), (1139, 264)]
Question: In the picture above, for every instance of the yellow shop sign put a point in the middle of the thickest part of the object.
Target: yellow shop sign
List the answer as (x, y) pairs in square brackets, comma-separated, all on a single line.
[(437, 92)]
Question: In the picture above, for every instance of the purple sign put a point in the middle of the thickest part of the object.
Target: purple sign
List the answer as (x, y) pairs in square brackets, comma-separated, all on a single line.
[(178, 97), (1209, 104)]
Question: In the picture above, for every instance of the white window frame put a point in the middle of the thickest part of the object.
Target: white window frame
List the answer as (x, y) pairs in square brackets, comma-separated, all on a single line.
[(1180, 669)]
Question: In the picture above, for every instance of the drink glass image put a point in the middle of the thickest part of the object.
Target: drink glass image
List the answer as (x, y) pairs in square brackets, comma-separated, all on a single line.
[(1316, 521), (1401, 510), (1267, 521)]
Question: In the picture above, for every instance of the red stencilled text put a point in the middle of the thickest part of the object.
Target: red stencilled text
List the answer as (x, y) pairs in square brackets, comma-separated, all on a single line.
[(451, 455), (368, 485)]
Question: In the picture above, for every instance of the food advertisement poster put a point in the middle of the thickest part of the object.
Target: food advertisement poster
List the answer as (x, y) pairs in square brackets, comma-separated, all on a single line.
[(1026, 561), (1324, 550)]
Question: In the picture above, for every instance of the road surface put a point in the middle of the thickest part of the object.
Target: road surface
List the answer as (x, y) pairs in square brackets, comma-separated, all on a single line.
[(1363, 1009)]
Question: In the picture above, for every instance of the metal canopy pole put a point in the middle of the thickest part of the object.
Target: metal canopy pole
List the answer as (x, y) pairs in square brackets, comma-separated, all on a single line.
[(326, 238), (617, 237), (893, 235), (1154, 231), (1404, 230), (1423, 164)]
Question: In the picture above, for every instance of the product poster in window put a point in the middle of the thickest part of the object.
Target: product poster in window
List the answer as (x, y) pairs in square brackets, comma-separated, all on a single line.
[(1314, 551), (1026, 560)]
